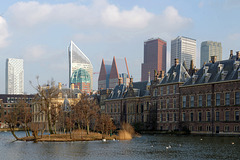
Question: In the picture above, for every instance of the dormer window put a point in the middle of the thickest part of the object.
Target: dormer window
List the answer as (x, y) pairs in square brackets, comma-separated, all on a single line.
[(236, 64), (194, 78), (174, 74), (119, 93), (205, 69), (223, 75), (220, 67), (207, 77)]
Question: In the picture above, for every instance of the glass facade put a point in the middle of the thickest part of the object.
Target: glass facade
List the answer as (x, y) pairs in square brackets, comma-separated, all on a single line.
[(78, 60)]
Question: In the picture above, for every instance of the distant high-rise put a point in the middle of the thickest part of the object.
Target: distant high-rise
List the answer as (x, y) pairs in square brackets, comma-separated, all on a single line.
[(155, 52), (184, 49), (210, 48), (80, 69), (14, 76), (111, 74)]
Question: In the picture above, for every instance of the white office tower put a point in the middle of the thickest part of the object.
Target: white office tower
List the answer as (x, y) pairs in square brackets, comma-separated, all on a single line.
[(14, 76), (210, 48), (184, 49), (79, 61)]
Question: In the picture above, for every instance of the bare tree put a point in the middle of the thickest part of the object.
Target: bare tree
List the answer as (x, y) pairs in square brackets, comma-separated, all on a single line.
[(45, 98), (86, 109), (105, 124)]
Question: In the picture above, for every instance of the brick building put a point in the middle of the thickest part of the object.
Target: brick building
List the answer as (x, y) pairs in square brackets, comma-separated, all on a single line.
[(7, 104), (204, 101), (210, 98)]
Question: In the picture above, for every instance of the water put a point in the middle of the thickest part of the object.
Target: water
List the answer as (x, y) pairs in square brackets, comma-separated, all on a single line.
[(145, 147)]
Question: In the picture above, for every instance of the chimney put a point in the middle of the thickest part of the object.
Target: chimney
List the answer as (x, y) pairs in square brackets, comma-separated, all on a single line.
[(161, 74), (72, 86), (231, 54), (131, 80), (176, 62), (213, 59), (191, 65), (237, 55), (120, 81), (59, 85)]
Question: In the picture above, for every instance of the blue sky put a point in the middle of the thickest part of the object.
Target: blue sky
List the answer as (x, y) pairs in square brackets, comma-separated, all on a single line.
[(40, 31)]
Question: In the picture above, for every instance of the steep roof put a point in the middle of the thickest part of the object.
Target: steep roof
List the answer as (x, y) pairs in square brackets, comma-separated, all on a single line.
[(216, 72), (119, 66), (176, 74), (138, 90)]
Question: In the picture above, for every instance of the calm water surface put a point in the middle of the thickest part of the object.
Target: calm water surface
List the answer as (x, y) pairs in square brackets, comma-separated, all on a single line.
[(145, 147)]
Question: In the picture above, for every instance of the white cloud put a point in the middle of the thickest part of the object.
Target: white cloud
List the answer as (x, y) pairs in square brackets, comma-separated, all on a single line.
[(135, 18), (31, 14), (3, 32), (171, 21)]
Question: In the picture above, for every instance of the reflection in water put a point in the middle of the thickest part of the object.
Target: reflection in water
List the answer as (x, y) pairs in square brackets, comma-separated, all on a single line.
[(145, 147)]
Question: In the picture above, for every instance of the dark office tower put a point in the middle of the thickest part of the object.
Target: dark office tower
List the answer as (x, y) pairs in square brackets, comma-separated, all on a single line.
[(155, 51)]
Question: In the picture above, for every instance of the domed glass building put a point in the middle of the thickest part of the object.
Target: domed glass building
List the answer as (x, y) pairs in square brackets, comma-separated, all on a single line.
[(82, 80)]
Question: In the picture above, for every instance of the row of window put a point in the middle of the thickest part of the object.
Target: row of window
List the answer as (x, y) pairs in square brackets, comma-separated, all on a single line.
[(167, 103), (165, 90), (227, 117), (209, 100), (167, 118), (217, 128)]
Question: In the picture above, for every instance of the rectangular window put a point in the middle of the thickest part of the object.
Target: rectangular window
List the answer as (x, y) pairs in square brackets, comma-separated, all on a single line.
[(174, 103), (226, 128), (237, 98), (208, 116), (218, 99), (174, 116), (227, 99), (167, 116), (183, 117), (184, 101), (167, 103), (192, 101), (168, 89), (237, 116), (161, 103), (200, 116), (217, 116), (161, 117), (174, 88), (161, 90), (236, 128), (191, 117), (209, 101), (227, 113), (200, 101)]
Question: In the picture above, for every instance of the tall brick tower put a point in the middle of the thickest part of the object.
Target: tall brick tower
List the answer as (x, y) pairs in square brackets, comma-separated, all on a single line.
[(155, 51)]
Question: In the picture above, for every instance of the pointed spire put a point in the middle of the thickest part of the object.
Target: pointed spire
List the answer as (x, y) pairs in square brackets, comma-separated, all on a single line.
[(148, 77)]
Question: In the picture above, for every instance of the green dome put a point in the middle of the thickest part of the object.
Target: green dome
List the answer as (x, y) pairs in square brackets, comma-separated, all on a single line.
[(80, 76)]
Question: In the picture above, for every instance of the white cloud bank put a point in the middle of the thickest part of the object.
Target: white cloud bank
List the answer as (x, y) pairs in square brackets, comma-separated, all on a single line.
[(101, 14), (3, 32)]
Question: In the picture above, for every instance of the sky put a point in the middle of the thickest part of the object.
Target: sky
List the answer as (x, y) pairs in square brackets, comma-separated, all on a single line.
[(39, 32)]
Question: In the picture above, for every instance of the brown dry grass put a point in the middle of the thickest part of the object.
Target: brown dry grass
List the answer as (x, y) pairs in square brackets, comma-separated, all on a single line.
[(79, 135)]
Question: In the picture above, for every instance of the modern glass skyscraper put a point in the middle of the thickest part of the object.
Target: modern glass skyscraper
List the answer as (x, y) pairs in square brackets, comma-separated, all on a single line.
[(78, 60), (155, 52), (184, 49), (210, 48), (14, 76)]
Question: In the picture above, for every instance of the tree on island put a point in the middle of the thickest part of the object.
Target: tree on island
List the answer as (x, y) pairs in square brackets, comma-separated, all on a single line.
[(87, 109), (44, 98)]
